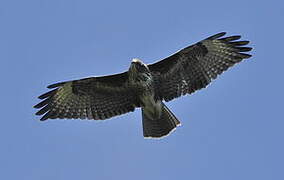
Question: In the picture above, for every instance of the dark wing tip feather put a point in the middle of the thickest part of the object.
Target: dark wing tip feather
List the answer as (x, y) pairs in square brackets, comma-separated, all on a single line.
[(46, 109), (43, 118), (230, 38), (239, 43), (56, 85), (243, 49), (46, 116), (216, 36), (231, 41), (43, 103), (244, 56), (43, 110), (48, 94)]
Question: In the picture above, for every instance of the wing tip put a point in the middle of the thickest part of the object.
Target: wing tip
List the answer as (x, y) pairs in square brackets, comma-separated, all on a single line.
[(43, 118), (239, 43), (245, 56), (42, 103), (48, 115), (47, 94), (37, 106), (55, 85), (244, 49), (216, 36), (231, 38)]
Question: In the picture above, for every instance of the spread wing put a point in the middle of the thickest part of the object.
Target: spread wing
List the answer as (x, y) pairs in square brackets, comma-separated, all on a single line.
[(91, 98), (194, 67)]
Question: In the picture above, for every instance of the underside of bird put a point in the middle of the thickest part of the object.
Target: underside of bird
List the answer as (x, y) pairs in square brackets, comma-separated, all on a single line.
[(145, 86)]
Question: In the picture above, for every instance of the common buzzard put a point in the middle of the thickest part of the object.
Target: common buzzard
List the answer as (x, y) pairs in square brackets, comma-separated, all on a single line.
[(145, 86)]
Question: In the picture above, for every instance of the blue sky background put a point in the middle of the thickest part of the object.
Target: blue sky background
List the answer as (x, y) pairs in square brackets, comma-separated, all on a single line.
[(231, 130)]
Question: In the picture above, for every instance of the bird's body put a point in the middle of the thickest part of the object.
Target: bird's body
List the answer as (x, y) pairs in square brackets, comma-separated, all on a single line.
[(145, 86), (157, 120)]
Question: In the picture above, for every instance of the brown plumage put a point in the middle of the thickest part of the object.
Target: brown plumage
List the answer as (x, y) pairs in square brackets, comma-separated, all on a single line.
[(146, 86)]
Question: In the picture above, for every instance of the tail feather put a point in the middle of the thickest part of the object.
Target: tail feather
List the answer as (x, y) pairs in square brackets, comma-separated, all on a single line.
[(160, 127)]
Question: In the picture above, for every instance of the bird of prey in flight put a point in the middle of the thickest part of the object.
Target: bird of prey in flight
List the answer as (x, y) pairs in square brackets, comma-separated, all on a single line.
[(145, 86)]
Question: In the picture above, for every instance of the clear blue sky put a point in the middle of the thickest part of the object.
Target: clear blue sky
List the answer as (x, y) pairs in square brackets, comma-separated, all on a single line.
[(233, 130)]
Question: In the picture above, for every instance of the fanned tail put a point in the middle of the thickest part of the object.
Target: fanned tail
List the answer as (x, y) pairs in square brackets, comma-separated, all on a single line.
[(159, 127)]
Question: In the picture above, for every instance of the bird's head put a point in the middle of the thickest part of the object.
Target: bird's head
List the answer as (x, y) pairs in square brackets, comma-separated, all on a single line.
[(138, 66)]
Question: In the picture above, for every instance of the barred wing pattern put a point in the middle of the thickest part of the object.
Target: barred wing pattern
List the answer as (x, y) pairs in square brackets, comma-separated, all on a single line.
[(194, 67), (91, 98)]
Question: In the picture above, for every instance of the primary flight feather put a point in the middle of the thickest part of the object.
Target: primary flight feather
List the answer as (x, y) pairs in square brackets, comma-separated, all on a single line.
[(145, 86)]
